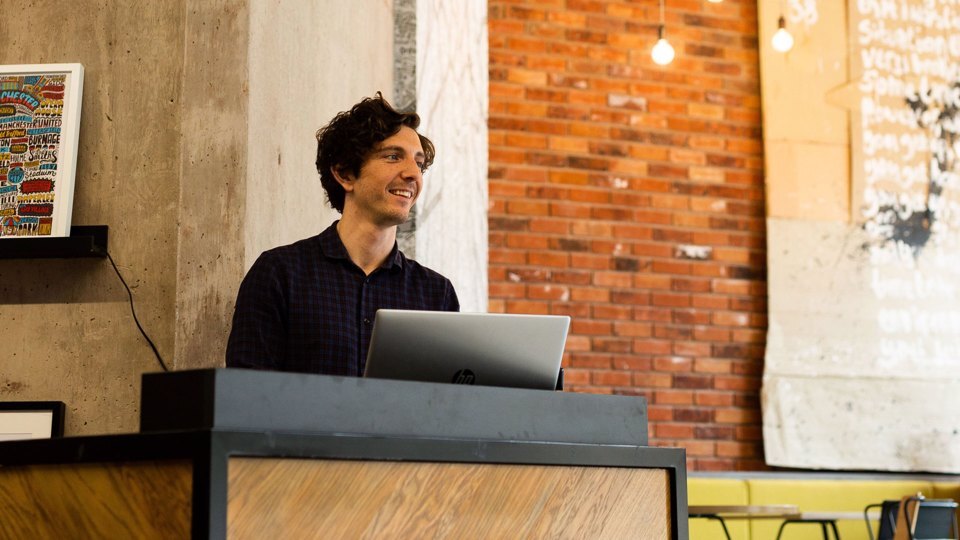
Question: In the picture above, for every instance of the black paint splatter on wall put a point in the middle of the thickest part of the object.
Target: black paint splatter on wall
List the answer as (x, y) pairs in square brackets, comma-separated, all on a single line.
[(936, 111)]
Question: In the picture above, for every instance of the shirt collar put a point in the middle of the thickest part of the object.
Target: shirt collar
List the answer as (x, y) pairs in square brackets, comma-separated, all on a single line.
[(332, 247)]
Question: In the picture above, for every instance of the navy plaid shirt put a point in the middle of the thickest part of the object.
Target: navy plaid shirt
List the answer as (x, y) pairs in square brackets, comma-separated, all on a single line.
[(307, 307)]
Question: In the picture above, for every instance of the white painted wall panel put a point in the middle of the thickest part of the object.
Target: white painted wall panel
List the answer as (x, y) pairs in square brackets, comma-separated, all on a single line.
[(452, 82)]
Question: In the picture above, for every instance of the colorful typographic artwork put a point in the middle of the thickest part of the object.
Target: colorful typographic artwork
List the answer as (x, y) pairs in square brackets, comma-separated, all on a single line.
[(39, 116)]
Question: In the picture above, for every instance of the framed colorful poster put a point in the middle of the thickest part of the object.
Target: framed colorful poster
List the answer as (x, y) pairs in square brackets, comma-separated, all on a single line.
[(39, 132)]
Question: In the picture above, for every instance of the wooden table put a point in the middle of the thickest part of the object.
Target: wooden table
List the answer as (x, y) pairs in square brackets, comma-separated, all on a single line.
[(768, 511), (790, 513), (721, 513)]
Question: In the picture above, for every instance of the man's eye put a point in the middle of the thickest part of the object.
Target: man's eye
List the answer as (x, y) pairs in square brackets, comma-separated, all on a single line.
[(422, 166), (392, 157)]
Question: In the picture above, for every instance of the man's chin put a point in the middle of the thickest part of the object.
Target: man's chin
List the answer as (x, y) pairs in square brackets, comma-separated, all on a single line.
[(395, 219)]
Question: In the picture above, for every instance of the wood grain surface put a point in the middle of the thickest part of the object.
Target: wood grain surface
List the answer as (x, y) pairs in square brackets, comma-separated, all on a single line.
[(96, 500), (270, 497)]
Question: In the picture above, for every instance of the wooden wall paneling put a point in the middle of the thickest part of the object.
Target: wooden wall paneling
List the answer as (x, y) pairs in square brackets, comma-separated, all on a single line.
[(145, 499)]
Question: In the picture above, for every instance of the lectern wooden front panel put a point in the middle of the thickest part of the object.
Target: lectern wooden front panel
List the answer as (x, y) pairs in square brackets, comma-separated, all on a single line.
[(96, 500), (271, 497)]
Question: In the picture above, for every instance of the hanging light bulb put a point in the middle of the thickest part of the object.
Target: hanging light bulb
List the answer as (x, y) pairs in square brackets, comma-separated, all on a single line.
[(714, 1), (662, 52), (782, 40)]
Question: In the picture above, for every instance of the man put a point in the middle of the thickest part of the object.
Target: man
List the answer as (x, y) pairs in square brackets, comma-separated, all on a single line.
[(309, 306)]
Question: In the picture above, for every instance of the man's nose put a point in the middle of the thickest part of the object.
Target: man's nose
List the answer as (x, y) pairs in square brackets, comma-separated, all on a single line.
[(411, 169)]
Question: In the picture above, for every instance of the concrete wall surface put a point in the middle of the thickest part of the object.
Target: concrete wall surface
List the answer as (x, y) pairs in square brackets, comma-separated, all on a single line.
[(308, 61), (69, 335), (197, 150)]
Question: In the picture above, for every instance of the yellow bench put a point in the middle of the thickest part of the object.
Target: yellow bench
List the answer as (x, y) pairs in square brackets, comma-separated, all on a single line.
[(811, 492), (717, 492)]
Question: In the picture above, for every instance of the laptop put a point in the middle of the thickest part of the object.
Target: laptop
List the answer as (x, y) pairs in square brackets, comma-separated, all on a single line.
[(488, 349)]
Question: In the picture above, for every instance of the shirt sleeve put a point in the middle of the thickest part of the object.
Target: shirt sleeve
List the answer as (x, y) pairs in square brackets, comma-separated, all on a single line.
[(258, 336)]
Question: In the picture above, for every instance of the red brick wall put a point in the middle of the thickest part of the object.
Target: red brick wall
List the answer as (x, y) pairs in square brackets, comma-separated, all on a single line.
[(630, 197)]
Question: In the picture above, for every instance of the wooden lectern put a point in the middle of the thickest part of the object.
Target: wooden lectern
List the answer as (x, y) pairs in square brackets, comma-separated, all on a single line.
[(248, 454)]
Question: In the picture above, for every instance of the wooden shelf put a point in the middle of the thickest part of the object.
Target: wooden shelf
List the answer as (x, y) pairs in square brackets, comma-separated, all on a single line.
[(84, 241)]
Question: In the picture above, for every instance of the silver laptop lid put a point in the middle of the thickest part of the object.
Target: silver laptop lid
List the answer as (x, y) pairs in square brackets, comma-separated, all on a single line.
[(489, 349)]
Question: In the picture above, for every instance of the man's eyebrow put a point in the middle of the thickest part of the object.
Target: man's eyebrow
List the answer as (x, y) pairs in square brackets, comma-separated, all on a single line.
[(401, 149)]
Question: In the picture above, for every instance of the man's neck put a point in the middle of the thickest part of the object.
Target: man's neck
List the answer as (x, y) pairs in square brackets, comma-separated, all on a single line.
[(368, 245)]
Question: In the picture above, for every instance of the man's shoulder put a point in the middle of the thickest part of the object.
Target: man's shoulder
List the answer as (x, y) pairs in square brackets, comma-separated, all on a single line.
[(291, 254), (296, 248), (438, 291), (419, 271)]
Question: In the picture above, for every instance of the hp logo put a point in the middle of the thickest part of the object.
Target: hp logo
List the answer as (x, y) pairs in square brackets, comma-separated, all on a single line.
[(464, 376)]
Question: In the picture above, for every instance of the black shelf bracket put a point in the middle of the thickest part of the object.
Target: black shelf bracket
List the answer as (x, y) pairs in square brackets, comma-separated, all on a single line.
[(84, 241)]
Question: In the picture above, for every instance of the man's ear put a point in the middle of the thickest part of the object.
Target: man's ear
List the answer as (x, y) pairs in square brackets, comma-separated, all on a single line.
[(343, 177)]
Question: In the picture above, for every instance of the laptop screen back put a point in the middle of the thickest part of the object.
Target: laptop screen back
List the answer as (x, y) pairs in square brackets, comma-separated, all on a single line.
[(489, 349)]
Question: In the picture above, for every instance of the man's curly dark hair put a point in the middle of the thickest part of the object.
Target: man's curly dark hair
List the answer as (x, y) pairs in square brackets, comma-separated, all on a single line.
[(349, 139)]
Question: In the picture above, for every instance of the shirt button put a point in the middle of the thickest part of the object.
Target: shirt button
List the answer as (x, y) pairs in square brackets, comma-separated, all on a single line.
[(366, 321)]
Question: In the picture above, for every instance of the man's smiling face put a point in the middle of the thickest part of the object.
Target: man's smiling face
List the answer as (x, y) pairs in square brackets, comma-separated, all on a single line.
[(390, 180)]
